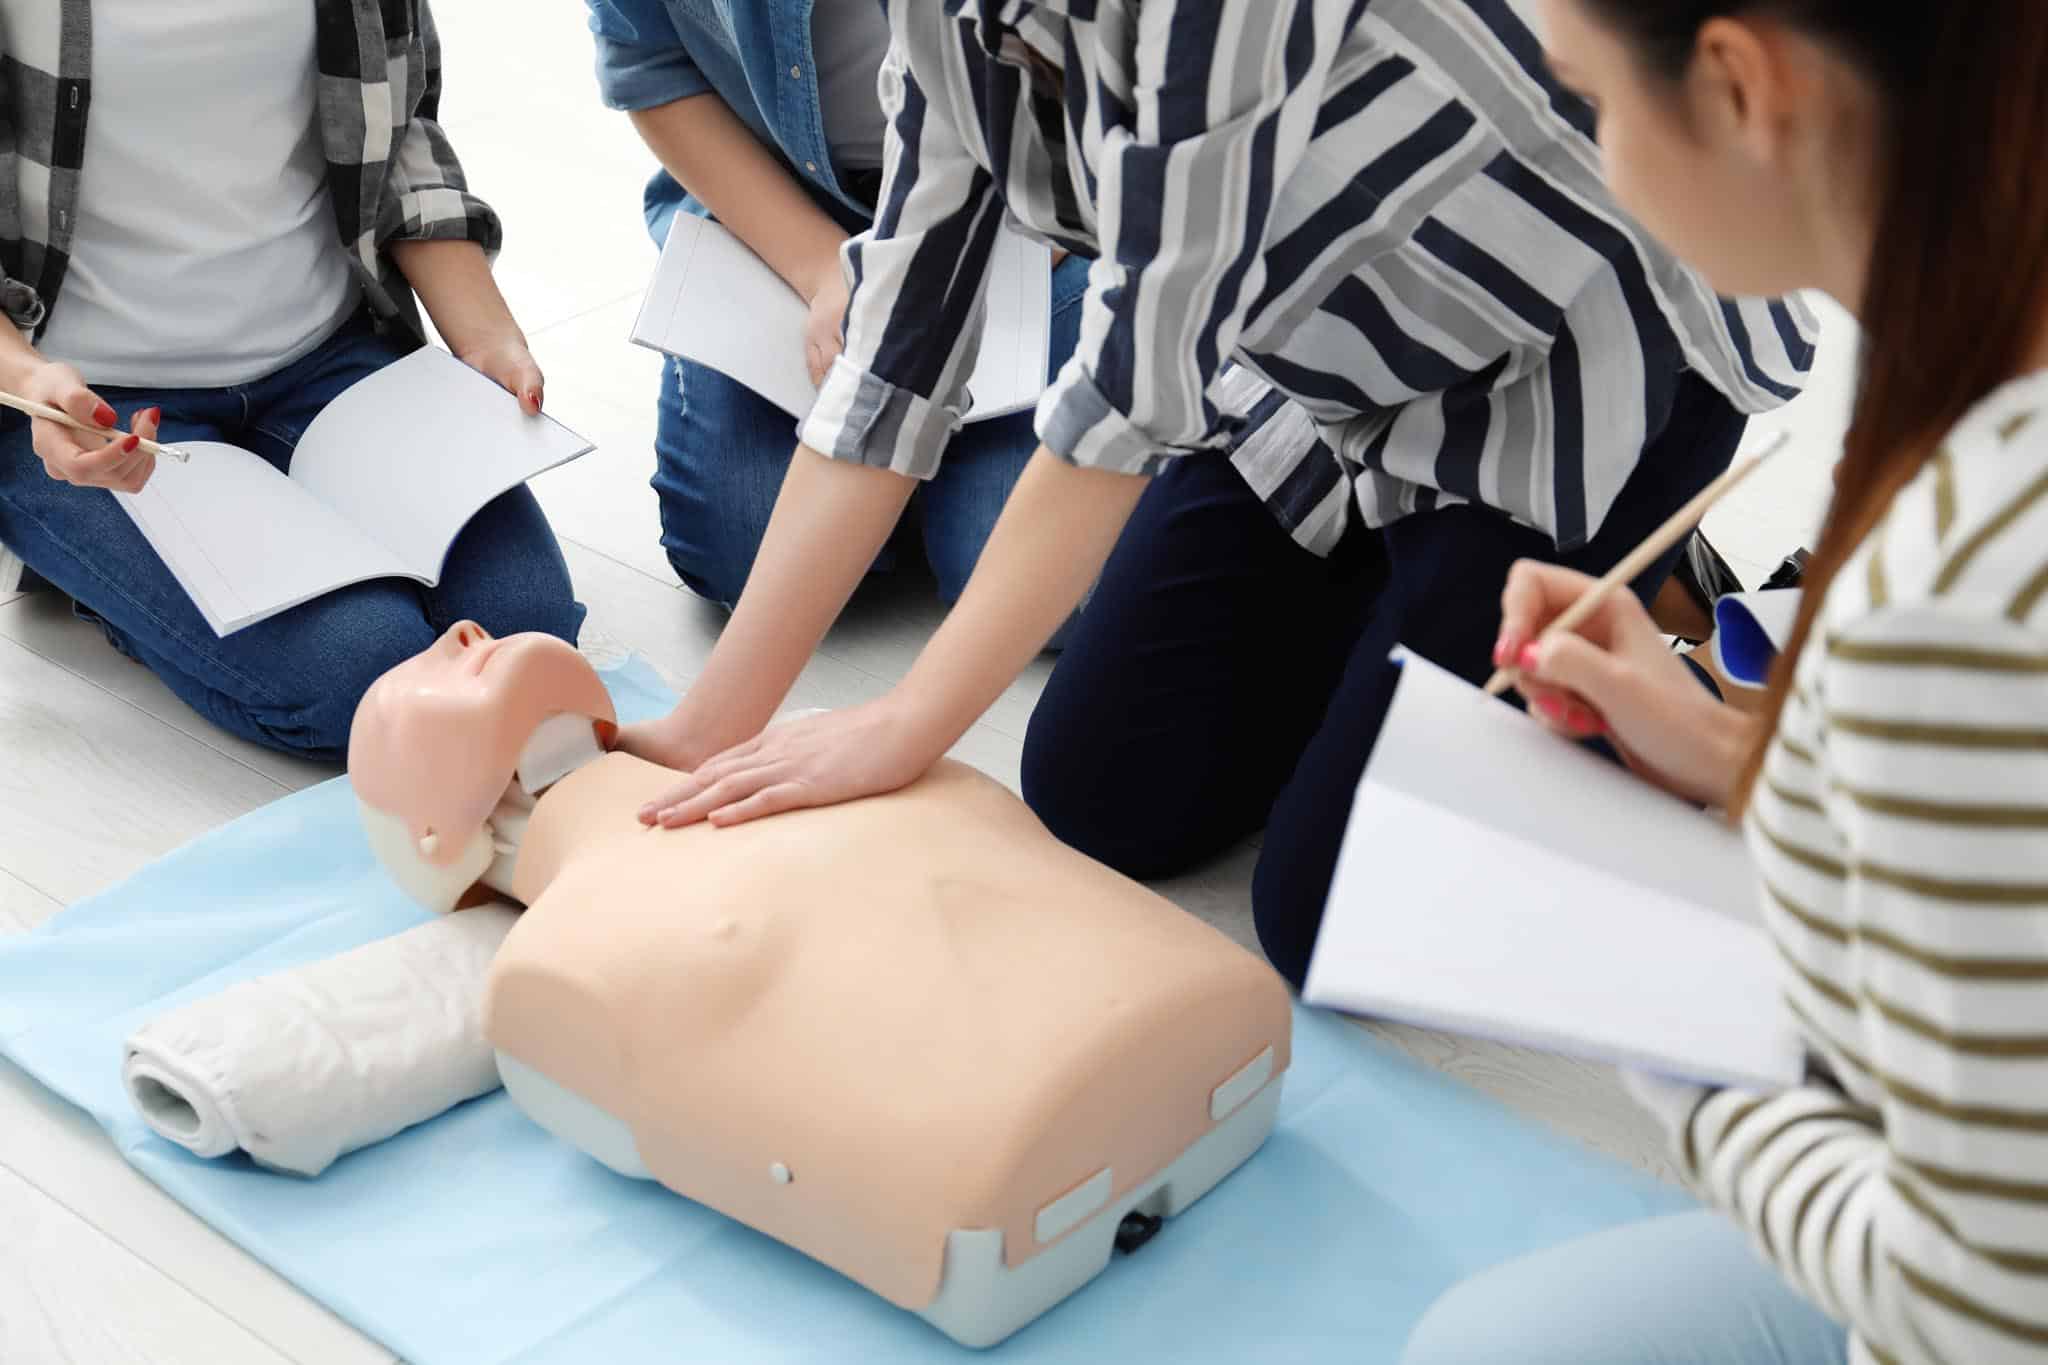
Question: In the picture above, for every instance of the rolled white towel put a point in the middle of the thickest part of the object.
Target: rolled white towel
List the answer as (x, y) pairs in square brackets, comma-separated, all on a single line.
[(301, 1068)]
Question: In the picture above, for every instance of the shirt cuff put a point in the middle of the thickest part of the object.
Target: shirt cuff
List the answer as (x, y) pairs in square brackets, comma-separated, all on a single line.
[(1078, 423), (635, 78), (865, 420)]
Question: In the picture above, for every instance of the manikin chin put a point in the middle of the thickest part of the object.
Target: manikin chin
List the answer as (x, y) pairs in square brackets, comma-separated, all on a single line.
[(914, 1037)]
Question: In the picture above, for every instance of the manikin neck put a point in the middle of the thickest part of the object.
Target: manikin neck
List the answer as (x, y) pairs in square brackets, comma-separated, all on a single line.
[(561, 746)]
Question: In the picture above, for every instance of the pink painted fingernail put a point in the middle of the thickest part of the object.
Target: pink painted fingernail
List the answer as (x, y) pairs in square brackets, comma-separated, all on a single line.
[(1530, 660), (1503, 650), (1551, 707)]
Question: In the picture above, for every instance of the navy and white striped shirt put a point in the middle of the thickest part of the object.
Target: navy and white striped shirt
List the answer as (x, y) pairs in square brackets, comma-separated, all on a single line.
[(1386, 213)]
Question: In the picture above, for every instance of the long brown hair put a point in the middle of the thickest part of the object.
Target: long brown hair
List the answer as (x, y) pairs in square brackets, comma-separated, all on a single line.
[(1958, 280)]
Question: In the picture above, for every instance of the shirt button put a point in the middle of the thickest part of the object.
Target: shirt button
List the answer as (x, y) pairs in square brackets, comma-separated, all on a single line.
[(796, 73), (811, 166)]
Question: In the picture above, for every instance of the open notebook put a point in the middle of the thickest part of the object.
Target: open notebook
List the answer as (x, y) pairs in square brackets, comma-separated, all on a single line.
[(381, 484), (715, 302), (1498, 881)]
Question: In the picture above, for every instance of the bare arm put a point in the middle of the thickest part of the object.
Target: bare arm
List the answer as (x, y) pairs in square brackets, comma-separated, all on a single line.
[(1049, 546), (454, 282), (1045, 553), (714, 156), (830, 522)]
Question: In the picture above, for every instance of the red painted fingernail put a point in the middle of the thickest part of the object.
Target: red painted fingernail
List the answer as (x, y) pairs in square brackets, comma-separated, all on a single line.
[(154, 415), (105, 415), (1530, 660), (1551, 707), (130, 444)]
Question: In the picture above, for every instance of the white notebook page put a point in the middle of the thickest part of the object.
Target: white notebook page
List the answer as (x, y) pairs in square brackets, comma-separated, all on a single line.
[(1496, 880), (414, 451), (713, 301), (245, 540)]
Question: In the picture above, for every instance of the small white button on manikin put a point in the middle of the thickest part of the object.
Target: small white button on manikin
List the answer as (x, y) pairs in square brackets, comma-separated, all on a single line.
[(780, 1174)]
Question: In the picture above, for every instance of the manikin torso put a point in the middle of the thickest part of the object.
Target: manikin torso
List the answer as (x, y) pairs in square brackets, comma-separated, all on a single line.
[(920, 1009)]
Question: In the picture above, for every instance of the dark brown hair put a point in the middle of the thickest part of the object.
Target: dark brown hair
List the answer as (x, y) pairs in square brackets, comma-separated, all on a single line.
[(1958, 280)]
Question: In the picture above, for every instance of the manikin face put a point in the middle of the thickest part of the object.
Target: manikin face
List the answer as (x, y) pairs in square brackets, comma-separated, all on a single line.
[(437, 740)]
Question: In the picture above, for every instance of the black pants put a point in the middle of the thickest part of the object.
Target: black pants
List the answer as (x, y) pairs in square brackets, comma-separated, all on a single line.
[(1223, 679)]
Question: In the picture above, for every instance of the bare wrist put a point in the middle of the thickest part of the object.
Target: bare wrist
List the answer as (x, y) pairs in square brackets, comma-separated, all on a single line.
[(19, 367), (925, 719), (1735, 735), (822, 274)]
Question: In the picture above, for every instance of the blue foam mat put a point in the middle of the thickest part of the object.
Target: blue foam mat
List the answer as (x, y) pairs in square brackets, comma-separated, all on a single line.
[(479, 1240)]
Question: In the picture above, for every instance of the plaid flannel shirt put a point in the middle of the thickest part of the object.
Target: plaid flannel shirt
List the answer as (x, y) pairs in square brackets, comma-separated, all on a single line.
[(391, 173)]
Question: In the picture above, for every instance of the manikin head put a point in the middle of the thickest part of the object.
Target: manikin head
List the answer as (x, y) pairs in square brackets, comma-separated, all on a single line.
[(440, 740)]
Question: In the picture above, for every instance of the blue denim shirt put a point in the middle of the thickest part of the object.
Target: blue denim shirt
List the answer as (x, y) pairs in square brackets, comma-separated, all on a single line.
[(754, 54)]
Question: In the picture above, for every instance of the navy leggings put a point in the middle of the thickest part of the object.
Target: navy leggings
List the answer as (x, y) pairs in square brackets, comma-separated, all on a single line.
[(1222, 679)]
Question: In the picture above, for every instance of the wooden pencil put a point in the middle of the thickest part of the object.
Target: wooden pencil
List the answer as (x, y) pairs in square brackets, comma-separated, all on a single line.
[(1669, 534), (65, 419)]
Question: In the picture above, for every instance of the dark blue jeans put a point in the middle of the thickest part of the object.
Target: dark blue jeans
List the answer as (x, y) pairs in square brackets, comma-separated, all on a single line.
[(1223, 679), (291, 682), (722, 451)]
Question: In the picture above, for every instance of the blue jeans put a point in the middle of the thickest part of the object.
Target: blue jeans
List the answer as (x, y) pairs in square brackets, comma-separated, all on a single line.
[(722, 451), (291, 682), (1681, 1290)]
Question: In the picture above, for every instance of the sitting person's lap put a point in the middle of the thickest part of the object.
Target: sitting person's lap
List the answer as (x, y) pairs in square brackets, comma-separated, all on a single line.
[(1223, 679), (291, 682), (1681, 1290)]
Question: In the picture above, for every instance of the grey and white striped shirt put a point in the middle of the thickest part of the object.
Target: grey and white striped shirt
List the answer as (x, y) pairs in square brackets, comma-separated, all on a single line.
[(1362, 245)]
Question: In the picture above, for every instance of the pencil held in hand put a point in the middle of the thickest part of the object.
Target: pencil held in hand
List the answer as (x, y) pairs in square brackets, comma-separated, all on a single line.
[(65, 419), (1621, 575)]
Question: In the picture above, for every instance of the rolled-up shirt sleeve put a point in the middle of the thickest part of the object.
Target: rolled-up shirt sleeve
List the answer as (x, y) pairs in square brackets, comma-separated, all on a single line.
[(898, 390), (1227, 99), (641, 60)]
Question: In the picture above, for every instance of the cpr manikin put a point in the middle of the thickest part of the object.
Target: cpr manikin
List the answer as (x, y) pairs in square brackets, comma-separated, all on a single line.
[(914, 1036)]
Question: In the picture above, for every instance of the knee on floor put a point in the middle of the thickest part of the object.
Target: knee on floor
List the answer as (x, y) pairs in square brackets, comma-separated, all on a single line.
[(1287, 912), (1142, 832)]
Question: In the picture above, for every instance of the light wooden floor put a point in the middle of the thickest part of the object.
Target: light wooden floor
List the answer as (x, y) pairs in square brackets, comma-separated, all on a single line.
[(101, 771)]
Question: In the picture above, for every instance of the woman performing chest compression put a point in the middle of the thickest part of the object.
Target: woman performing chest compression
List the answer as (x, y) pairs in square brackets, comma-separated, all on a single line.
[(1363, 328)]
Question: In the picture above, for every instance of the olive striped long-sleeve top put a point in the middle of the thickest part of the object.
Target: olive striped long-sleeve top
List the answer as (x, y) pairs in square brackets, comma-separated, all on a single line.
[(1901, 831)]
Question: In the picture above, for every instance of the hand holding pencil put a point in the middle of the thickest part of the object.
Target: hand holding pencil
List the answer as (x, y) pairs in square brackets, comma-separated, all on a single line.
[(76, 435), (1591, 663)]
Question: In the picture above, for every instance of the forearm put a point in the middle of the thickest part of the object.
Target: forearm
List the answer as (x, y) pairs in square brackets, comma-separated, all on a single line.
[(18, 360), (453, 280), (714, 156), (830, 521), (1047, 550)]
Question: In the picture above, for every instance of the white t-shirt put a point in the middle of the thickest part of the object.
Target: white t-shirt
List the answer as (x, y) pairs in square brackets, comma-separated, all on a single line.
[(850, 39), (204, 250)]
